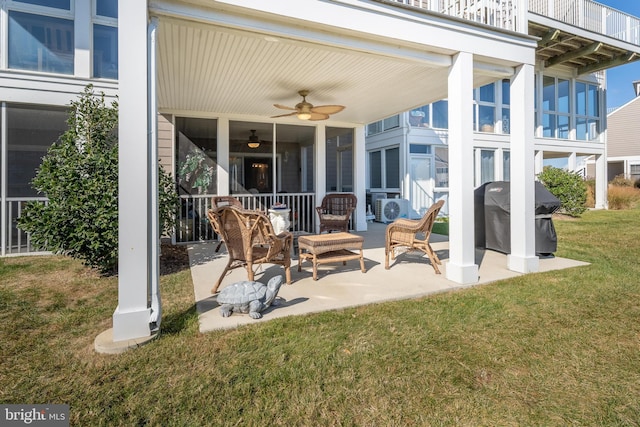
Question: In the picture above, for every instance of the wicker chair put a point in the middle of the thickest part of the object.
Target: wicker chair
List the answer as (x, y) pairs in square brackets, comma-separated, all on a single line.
[(406, 233), (335, 211), (250, 240), (218, 202)]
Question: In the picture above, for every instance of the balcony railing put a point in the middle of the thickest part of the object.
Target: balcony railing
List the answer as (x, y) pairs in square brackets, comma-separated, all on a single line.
[(591, 16), (497, 13), (193, 225), (587, 14)]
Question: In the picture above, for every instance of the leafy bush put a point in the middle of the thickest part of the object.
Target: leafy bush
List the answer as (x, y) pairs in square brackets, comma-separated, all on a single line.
[(568, 187), (79, 176)]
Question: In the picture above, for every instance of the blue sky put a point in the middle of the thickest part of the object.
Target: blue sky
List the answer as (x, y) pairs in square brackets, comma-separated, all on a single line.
[(619, 79)]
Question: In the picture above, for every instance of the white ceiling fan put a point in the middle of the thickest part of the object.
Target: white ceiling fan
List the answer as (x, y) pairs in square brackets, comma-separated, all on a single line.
[(306, 111)]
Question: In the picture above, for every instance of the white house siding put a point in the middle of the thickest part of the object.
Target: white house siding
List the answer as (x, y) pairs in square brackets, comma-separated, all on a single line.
[(165, 142)]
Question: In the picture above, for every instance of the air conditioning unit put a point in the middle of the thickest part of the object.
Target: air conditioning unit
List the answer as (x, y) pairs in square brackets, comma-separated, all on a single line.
[(374, 200), (388, 210)]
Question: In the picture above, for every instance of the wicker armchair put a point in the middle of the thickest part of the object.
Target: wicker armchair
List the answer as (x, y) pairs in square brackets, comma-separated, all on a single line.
[(406, 233), (335, 211), (218, 202), (250, 240)]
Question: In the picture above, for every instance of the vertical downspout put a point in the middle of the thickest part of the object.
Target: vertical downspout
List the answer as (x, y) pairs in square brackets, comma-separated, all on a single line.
[(3, 179), (154, 233)]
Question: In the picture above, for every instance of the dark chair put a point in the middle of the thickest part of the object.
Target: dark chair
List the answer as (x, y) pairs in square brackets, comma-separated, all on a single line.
[(413, 235), (250, 240), (335, 211)]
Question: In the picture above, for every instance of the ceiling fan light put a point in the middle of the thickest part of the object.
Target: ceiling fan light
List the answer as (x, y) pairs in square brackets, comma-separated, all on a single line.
[(253, 144), (304, 116)]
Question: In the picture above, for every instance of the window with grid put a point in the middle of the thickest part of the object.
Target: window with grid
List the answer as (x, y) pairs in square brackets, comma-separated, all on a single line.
[(105, 39), (587, 112), (384, 169), (556, 108), (41, 36)]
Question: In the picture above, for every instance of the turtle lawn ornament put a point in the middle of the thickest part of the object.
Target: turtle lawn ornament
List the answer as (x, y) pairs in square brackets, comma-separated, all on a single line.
[(248, 297)]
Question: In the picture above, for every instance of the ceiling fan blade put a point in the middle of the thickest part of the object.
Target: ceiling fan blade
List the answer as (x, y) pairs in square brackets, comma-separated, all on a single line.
[(318, 116), (327, 109), (284, 115), (283, 107)]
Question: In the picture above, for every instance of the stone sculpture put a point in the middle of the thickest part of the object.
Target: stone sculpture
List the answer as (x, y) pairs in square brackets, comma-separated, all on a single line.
[(248, 297)]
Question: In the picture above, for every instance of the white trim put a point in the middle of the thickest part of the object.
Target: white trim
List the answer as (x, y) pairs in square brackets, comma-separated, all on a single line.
[(4, 164)]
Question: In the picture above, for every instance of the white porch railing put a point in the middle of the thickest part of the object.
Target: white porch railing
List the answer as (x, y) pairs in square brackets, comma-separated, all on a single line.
[(497, 13), (591, 16), (16, 241), (193, 225)]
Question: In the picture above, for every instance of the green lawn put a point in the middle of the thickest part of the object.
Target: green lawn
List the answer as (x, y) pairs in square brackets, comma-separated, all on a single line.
[(552, 349)]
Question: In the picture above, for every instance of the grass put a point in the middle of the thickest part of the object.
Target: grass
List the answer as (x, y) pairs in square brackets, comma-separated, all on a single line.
[(552, 349)]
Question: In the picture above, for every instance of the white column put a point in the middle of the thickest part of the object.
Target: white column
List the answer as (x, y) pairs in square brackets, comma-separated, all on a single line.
[(131, 317), (523, 257), (602, 201), (359, 179), (461, 267), (572, 162), (320, 172), (538, 162), (223, 157)]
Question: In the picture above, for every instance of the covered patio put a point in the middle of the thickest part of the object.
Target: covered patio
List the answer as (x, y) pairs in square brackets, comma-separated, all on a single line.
[(338, 286), (233, 60)]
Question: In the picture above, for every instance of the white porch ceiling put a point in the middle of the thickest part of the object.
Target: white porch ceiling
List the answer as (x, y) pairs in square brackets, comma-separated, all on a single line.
[(215, 70)]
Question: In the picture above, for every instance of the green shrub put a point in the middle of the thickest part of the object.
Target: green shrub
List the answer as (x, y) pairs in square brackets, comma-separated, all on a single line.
[(79, 176), (568, 187)]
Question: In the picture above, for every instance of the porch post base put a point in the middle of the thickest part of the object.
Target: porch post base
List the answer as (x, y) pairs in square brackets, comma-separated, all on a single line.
[(522, 264), (105, 344), (462, 274), (128, 325)]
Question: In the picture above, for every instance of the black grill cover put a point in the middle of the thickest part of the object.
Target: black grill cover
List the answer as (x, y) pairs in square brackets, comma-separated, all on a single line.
[(497, 220)]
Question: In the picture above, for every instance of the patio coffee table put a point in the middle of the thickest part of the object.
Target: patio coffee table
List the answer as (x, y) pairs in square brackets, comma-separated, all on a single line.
[(331, 247)]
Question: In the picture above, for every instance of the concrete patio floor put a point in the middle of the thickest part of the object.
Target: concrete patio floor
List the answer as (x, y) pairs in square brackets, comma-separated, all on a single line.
[(338, 286)]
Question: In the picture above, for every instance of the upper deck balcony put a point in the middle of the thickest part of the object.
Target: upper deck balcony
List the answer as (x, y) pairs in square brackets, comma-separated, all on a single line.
[(582, 34), (591, 16), (585, 14)]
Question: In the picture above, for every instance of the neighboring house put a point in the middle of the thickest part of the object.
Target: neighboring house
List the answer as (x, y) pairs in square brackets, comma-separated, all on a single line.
[(440, 96), (623, 139)]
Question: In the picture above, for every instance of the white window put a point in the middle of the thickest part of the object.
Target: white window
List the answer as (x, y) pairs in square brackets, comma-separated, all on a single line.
[(563, 119), (587, 112), (105, 39), (41, 36), (384, 169), (634, 172), (380, 126)]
